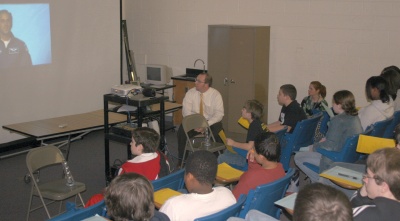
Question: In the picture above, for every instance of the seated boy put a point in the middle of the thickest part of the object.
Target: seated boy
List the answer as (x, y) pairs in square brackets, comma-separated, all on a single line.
[(314, 202), (291, 111), (379, 198), (251, 111), (130, 197), (266, 168), (202, 199), (144, 145), (147, 161)]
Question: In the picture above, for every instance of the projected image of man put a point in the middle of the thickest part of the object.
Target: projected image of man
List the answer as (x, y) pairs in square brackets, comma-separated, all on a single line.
[(13, 51)]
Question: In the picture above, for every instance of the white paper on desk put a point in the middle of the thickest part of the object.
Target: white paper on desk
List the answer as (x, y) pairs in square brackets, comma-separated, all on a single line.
[(345, 174), (95, 218), (305, 149), (287, 202), (126, 108)]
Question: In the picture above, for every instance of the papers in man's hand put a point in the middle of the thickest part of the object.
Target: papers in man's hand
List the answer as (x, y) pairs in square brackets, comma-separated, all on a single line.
[(127, 108), (343, 175), (288, 201)]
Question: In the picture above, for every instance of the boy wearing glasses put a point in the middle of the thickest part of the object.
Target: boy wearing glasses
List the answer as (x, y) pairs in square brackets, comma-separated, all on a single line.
[(379, 198), (205, 100)]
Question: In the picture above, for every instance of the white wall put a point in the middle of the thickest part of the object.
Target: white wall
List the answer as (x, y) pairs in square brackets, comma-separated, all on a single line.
[(338, 42)]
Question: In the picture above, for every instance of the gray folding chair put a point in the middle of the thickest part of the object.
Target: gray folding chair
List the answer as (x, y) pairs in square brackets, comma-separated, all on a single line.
[(55, 189), (192, 122)]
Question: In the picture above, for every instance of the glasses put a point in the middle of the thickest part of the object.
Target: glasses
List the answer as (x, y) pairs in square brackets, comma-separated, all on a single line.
[(366, 176), (198, 81)]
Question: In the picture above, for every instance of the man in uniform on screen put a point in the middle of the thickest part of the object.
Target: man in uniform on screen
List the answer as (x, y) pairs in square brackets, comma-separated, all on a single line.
[(13, 52)]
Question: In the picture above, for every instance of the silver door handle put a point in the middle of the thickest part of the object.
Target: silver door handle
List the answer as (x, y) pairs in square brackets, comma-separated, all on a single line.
[(225, 81)]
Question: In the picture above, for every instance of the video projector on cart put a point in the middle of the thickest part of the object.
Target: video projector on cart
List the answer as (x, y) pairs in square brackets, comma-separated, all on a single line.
[(125, 89)]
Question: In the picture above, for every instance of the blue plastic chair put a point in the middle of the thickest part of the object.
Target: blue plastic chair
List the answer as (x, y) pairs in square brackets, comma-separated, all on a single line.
[(324, 122), (389, 132), (378, 128), (302, 136), (263, 198), (173, 181), (74, 213), (347, 154), (281, 133), (232, 211)]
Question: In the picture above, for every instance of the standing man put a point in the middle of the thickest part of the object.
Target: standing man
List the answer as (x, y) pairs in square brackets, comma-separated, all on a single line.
[(291, 112), (205, 100), (13, 52)]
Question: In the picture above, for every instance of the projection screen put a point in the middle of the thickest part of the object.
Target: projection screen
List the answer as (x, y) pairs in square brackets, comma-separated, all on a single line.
[(62, 56)]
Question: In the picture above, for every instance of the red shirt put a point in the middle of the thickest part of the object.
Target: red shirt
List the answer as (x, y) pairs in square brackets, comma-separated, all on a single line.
[(255, 176)]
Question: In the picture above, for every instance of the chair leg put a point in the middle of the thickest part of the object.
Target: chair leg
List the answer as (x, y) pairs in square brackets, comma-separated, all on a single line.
[(59, 208), (183, 158), (80, 197), (30, 205)]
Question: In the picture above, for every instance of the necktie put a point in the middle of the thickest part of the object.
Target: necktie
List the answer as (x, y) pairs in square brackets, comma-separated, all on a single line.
[(201, 104)]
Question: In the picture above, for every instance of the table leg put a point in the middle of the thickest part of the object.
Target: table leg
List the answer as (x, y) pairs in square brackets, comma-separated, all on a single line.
[(162, 126)]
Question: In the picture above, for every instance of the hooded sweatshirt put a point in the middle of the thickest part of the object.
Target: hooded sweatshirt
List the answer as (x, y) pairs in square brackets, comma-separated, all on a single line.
[(374, 112)]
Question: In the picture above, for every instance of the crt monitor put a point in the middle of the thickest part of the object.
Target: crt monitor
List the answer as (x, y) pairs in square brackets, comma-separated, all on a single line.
[(157, 74)]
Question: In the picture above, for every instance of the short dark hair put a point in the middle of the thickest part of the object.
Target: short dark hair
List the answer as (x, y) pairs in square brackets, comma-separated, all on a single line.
[(317, 202), (130, 197), (267, 144), (208, 80), (255, 108), (289, 90), (148, 137), (347, 100), (203, 166), (379, 83)]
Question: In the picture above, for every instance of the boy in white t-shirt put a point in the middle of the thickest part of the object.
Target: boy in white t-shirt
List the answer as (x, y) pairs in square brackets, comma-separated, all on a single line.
[(202, 199)]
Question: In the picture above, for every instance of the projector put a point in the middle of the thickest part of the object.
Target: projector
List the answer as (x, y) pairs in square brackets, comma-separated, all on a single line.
[(124, 89)]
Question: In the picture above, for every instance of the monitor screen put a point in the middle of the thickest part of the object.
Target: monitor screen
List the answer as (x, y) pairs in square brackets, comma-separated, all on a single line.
[(154, 73)]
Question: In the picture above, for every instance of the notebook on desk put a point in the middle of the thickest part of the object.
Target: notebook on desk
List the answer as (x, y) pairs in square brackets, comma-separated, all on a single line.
[(160, 196), (343, 175)]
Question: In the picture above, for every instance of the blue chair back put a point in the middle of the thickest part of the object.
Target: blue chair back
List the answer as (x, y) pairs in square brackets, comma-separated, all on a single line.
[(74, 213), (281, 133), (324, 122), (378, 128), (389, 132), (302, 136), (347, 154), (173, 181), (232, 211), (263, 198)]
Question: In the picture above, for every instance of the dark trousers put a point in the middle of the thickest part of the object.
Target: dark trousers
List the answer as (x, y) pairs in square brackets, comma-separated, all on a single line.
[(215, 128)]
